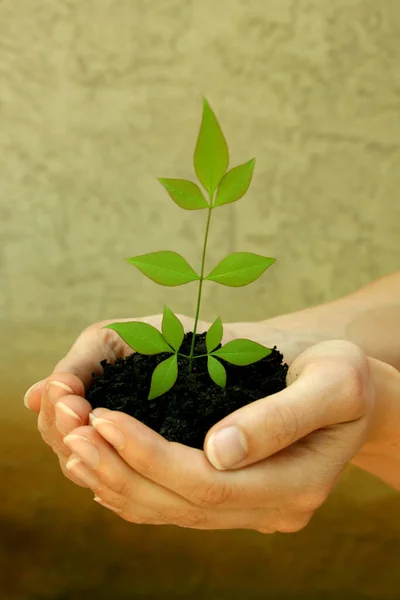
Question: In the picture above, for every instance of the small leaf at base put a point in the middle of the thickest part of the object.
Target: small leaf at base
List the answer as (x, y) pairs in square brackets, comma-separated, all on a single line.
[(141, 337), (165, 267), (172, 329), (216, 371), (242, 352), (164, 377), (214, 335), (184, 193), (240, 268)]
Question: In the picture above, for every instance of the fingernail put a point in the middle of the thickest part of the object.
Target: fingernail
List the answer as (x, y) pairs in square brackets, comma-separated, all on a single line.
[(28, 393), (72, 462), (56, 389), (66, 418), (100, 501), (108, 431), (98, 412), (226, 448), (81, 472), (85, 449)]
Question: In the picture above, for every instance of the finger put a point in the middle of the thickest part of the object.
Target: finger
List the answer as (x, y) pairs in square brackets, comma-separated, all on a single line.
[(328, 385), (94, 345), (57, 389), (187, 472), (33, 396), (82, 360), (135, 498), (70, 413), (81, 475)]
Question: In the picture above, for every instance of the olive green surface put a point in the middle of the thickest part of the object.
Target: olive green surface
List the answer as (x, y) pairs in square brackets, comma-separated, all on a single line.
[(97, 99)]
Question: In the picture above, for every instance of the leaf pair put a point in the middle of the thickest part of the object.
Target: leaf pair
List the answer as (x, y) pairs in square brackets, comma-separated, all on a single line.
[(238, 352), (233, 186), (171, 269), (146, 339)]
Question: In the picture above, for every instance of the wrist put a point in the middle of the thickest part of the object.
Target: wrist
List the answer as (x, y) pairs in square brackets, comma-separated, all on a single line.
[(380, 454), (385, 417)]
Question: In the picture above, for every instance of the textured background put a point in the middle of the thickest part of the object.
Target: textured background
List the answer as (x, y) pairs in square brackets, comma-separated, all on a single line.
[(97, 98)]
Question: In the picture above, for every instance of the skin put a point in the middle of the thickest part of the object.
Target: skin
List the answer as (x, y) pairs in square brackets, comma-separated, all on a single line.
[(342, 405)]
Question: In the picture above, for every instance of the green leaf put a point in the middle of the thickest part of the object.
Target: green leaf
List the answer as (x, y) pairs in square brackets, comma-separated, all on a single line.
[(242, 352), (217, 371), (141, 337), (172, 329), (214, 335), (184, 193), (240, 268), (165, 267), (164, 377), (211, 156), (234, 184)]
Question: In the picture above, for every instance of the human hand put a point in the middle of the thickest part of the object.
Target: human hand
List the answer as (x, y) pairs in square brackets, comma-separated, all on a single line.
[(59, 399), (298, 443)]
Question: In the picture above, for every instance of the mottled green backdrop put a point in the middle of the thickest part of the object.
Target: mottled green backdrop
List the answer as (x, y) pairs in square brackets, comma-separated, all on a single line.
[(97, 98)]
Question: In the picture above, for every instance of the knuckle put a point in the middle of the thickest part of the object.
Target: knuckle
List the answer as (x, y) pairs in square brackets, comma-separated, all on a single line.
[(145, 461), (122, 487), (107, 337), (122, 504), (351, 387), (212, 494), (346, 380), (350, 349), (351, 379)]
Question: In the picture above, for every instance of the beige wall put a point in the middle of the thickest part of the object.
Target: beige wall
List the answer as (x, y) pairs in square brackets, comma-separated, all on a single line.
[(99, 98)]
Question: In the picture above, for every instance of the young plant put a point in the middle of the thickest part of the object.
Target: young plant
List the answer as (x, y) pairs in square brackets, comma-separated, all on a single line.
[(211, 159)]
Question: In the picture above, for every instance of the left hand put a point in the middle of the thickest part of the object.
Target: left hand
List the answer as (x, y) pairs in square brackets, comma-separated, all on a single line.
[(297, 442)]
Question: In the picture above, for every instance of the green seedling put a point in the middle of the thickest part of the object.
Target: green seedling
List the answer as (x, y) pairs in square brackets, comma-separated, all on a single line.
[(211, 159)]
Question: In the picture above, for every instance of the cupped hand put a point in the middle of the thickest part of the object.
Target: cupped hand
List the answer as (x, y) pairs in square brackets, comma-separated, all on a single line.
[(60, 398), (266, 467)]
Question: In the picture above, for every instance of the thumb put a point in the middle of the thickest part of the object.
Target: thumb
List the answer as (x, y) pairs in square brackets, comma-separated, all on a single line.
[(327, 385)]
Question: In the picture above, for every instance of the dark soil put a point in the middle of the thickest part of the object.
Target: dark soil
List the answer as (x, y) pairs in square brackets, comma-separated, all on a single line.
[(195, 403)]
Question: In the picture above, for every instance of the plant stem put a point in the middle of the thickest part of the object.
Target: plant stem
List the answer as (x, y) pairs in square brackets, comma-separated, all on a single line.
[(203, 261), (193, 357)]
